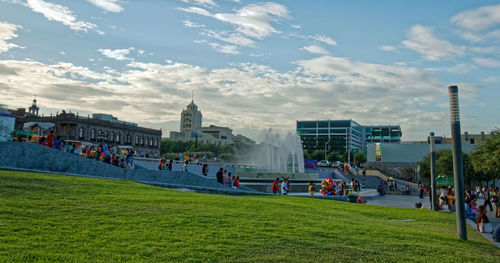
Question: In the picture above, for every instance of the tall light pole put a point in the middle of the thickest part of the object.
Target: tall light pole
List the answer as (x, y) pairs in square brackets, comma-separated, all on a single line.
[(433, 172), (458, 171), (326, 143)]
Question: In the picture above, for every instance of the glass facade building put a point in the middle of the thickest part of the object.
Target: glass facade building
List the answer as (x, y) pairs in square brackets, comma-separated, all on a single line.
[(340, 135)]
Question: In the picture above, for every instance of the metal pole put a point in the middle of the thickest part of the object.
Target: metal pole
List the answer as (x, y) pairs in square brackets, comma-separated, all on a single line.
[(325, 148), (433, 173), (458, 171), (349, 151)]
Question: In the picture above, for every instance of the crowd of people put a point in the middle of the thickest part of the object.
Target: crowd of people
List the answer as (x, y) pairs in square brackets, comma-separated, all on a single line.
[(285, 186), (473, 210), (225, 178), (192, 158), (107, 153)]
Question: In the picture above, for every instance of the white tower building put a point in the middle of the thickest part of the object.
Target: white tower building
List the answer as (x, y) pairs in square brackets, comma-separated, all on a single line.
[(191, 118)]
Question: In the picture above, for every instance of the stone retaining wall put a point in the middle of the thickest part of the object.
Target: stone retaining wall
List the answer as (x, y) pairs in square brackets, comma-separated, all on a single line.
[(31, 156)]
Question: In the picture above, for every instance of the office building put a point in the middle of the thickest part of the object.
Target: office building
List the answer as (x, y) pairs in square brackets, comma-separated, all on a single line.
[(341, 135)]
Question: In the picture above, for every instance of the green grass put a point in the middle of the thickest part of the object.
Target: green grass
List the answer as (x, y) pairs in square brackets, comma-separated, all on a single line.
[(54, 218)]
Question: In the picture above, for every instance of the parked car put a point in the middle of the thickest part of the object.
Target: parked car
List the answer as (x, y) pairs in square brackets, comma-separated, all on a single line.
[(324, 163), (336, 164)]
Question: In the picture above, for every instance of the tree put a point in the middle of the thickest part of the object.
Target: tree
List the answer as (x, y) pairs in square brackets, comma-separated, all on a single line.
[(486, 157), (333, 156), (307, 155), (318, 155), (444, 164), (443, 167), (228, 157), (359, 157), (425, 166)]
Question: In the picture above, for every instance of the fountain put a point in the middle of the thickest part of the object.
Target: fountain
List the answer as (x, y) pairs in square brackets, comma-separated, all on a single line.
[(278, 155)]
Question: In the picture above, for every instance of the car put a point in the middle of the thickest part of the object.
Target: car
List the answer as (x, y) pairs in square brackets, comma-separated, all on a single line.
[(336, 164), (324, 163)]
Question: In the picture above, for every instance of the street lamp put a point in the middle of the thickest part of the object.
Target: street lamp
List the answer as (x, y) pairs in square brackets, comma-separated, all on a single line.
[(326, 143), (458, 170), (433, 172)]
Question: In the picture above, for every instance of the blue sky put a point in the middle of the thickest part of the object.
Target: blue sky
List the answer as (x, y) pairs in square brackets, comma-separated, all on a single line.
[(254, 65)]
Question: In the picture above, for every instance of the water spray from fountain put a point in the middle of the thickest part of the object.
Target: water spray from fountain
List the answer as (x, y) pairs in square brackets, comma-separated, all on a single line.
[(279, 155)]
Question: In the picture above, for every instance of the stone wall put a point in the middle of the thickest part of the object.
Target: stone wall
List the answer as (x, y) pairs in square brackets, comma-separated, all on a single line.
[(403, 171), (37, 157)]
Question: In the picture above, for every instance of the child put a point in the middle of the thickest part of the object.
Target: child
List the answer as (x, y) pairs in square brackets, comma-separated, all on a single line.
[(311, 188)]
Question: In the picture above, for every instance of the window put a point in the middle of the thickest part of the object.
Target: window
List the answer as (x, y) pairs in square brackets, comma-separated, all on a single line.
[(92, 134), (80, 133), (129, 138), (118, 137), (136, 139), (306, 124), (112, 137), (99, 135), (105, 136), (142, 140)]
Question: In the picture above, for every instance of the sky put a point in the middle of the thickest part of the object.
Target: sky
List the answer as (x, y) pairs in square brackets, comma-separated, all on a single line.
[(256, 65)]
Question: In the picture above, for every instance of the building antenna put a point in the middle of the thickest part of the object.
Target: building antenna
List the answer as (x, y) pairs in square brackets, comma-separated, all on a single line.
[(192, 95)]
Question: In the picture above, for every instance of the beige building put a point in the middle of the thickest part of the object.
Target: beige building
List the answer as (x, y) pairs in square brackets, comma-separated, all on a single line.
[(190, 118), (191, 130)]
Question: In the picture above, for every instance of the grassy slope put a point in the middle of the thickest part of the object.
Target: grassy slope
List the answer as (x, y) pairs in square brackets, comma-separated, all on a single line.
[(62, 218)]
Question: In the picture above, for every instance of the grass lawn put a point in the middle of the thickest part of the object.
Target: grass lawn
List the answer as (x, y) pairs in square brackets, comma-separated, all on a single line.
[(54, 218)]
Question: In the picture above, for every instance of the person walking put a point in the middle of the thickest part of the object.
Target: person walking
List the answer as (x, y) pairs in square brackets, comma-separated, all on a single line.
[(496, 200), (275, 186), (284, 187), (421, 190), (487, 200)]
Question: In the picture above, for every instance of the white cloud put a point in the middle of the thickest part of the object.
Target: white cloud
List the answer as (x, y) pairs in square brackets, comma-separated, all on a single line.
[(388, 48), (479, 18), (190, 24), (235, 38), (315, 49), (296, 26), (487, 62), (201, 2), (251, 22), (255, 20), (228, 49), (59, 13), (108, 5), (422, 40), (7, 32), (118, 54), (242, 96), (324, 39), (196, 10), (477, 24)]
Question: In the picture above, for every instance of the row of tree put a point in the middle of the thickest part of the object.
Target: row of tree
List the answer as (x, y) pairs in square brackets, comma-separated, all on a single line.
[(482, 164), (229, 152)]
